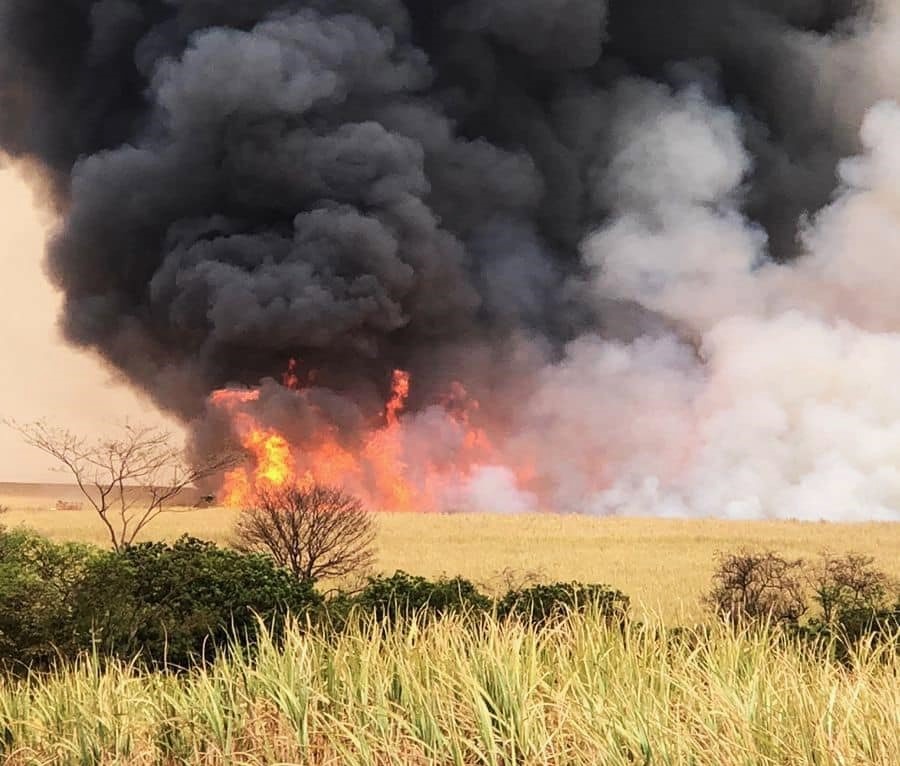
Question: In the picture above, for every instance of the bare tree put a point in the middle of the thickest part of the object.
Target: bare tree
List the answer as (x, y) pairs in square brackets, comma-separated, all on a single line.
[(750, 587), (129, 480), (314, 532)]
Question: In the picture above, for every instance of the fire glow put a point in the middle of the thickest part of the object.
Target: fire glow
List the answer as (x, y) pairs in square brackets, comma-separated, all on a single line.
[(376, 469)]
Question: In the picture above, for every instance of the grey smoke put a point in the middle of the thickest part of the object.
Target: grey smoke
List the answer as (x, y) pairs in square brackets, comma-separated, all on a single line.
[(549, 200)]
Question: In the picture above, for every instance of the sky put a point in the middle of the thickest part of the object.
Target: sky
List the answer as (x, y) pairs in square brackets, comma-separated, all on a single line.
[(40, 376)]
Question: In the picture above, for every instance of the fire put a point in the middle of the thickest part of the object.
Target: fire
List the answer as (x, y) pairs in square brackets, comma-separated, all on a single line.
[(399, 395), (291, 379), (381, 467), (229, 399), (461, 407), (383, 450), (274, 462)]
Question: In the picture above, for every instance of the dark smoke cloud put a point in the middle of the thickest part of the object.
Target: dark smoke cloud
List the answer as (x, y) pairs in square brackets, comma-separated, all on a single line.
[(366, 184)]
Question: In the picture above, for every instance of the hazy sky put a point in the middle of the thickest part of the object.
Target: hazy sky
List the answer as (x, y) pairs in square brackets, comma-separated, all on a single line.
[(41, 377)]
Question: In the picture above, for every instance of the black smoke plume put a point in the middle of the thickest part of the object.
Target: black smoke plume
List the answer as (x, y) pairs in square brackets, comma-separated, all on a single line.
[(367, 185)]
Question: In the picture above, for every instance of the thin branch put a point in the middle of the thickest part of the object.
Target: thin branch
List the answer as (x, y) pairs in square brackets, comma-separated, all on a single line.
[(125, 473), (315, 532)]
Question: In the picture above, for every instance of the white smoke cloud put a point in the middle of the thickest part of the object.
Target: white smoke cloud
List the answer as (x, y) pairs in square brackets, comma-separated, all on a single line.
[(493, 489), (854, 244), (675, 187), (790, 407), (799, 419), (670, 150)]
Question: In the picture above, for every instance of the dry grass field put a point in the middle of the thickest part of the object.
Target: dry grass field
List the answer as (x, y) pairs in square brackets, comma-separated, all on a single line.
[(664, 565)]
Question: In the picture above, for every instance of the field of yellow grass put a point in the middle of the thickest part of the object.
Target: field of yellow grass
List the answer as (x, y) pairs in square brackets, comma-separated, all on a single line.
[(664, 565), (463, 694)]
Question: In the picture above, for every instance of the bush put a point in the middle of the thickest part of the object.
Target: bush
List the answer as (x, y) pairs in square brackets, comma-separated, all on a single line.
[(39, 581), (170, 603), (541, 604), (403, 595), (758, 587), (853, 597), (840, 641), (848, 589), (175, 603)]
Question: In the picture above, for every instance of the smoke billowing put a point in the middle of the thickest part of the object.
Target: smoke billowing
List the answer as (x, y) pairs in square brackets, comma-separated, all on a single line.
[(656, 242)]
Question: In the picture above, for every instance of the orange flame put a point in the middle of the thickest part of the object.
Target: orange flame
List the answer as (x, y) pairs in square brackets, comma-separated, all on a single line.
[(383, 450), (274, 463), (399, 395), (291, 379), (229, 399), (378, 469)]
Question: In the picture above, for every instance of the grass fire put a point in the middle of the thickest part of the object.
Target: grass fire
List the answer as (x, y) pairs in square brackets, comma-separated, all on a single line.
[(472, 382), (380, 465)]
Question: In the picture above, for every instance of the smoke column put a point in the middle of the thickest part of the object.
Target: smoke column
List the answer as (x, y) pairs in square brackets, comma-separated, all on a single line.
[(656, 242)]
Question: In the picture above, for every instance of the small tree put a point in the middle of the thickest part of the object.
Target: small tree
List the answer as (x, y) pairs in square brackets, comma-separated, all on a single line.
[(848, 588), (752, 587), (315, 532), (129, 480)]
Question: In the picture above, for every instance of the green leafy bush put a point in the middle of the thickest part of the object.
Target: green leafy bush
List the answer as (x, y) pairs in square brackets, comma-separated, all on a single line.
[(403, 595), (849, 590), (541, 604), (175, 603), (167, 603), (39, 581), (854, 603), (848, 600)]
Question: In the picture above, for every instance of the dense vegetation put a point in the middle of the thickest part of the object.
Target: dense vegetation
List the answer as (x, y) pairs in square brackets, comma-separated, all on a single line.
[(180, 604), (664, 565), (454, 691), (192, 653)]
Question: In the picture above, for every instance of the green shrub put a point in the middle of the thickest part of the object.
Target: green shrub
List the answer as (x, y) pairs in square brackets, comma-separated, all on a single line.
[(853, 599), (541, 604), (840, 641), (850, 596), (849, 590), (402, 595), (176, 603), (39, 581), (167, 603)]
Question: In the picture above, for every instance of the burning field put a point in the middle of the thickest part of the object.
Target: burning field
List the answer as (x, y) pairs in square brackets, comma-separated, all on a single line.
[(375, 468), (588, 256)]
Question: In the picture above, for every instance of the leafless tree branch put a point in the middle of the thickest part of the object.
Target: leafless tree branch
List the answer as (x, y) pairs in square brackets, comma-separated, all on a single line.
[(130, 479), (756, 586), (315, 532)]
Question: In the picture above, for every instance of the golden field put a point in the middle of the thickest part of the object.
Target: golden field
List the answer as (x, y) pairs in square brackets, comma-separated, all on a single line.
[(664, 565)]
